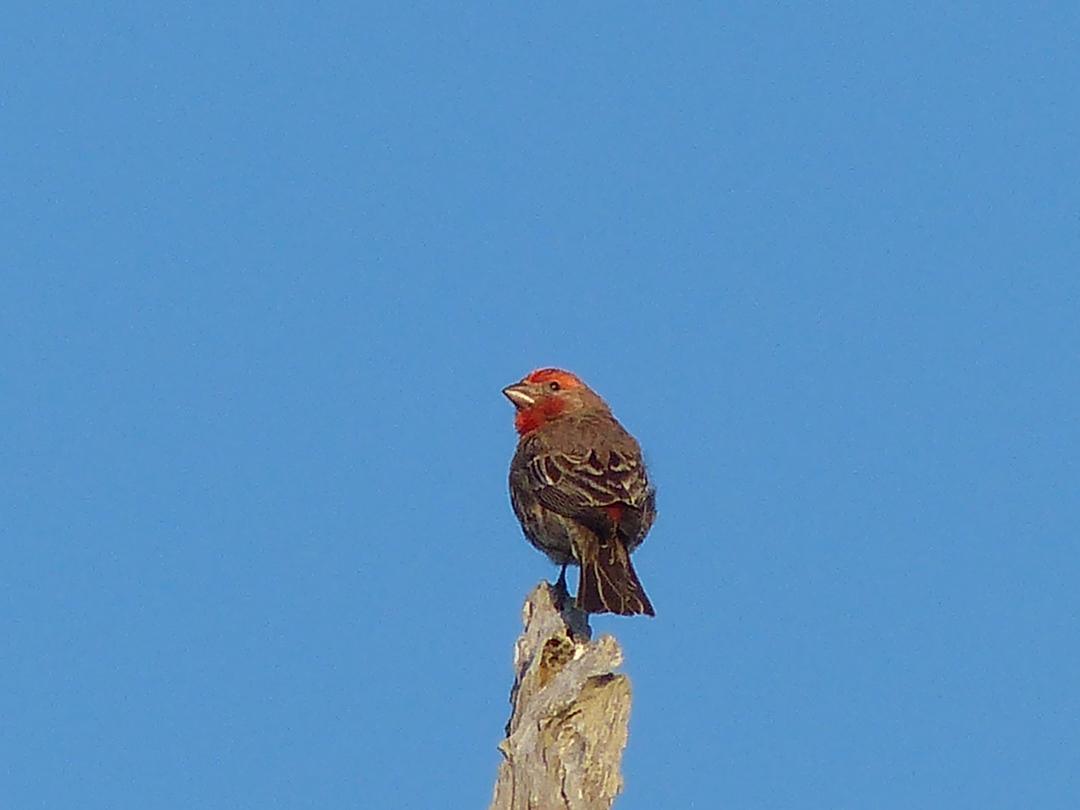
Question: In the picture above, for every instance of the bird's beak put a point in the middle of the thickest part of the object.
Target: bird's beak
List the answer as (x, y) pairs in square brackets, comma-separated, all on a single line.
[(518, 393)]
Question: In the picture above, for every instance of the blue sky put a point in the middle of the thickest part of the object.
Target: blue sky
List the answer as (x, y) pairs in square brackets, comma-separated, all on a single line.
[(265, 269)]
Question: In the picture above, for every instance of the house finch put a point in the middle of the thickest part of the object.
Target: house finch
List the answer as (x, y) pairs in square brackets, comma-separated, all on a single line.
[(579, 488)]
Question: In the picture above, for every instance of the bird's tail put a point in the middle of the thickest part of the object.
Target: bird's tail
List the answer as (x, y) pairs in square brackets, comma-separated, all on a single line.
[(609, 583)]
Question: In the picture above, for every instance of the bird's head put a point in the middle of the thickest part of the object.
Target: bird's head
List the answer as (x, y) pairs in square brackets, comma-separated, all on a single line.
[(547, 394)]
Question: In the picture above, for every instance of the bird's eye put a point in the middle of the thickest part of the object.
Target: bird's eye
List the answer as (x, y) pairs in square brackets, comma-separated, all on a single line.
[(554, 386)]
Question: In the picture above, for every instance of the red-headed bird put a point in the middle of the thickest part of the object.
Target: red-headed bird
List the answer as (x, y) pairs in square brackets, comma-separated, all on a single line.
[(579, 487)]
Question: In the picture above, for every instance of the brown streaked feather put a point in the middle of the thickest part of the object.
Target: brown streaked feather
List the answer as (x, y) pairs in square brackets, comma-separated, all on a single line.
[(586, 480), (610, 584)]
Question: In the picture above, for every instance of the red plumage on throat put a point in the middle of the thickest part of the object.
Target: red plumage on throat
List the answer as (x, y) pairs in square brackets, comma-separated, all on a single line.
[(529, 419)]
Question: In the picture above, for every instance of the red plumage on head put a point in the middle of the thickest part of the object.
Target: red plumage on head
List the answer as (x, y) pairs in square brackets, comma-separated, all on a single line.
[(554, 392), (547, 407), (563, 378)]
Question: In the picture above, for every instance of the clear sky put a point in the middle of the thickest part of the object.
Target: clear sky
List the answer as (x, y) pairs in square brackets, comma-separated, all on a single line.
[(265, 268)]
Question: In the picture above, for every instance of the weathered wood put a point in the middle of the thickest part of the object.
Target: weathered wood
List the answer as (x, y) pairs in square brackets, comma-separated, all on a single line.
[(570, 709)]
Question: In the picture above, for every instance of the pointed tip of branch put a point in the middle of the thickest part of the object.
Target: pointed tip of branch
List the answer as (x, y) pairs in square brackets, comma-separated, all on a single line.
[(547, 600)]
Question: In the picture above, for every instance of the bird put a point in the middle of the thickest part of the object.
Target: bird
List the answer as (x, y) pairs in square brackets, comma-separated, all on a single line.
[(579, 487)]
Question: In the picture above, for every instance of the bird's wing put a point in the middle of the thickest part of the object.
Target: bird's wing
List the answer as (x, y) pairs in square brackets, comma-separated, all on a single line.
[(592, 486)]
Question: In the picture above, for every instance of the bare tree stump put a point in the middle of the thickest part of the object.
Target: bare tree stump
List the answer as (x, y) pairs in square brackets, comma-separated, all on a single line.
[(568, 724)]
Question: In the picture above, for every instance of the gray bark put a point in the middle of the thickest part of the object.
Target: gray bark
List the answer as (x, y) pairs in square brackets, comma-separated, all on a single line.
[(570, 709)]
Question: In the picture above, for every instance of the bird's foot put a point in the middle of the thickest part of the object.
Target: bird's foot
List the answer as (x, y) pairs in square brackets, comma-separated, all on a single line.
[(562, 595)]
